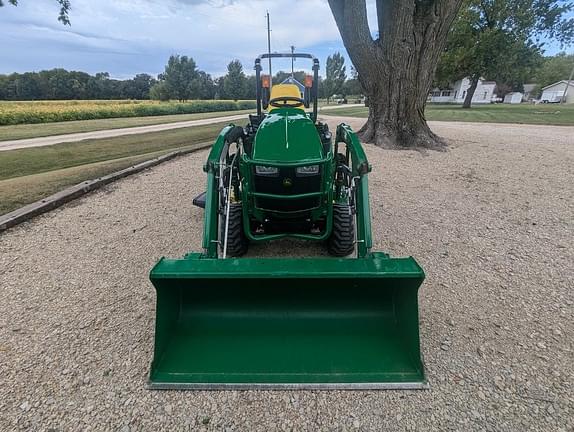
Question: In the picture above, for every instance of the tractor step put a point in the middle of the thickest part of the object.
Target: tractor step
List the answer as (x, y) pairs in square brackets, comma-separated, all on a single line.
[(199, 200)]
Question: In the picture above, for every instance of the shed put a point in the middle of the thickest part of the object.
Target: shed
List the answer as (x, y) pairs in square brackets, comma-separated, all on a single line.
[(553, 93), (513, 98)]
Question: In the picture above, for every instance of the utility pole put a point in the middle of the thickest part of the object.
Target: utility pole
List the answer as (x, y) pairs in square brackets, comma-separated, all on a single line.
[(567, 86), (292, 60), (269, 50)]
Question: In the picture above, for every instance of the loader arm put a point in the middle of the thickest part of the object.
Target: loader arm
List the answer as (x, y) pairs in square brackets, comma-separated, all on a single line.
[(360, 167), (211, 167)]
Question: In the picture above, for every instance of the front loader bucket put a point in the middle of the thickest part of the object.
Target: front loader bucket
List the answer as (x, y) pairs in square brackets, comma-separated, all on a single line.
[(287, 323)]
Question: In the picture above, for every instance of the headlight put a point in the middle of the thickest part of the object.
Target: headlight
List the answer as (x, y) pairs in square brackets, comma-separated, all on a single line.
[(307, 170), (266, 170)]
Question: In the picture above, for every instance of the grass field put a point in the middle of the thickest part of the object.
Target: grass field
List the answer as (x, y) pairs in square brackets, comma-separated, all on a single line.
[(29, 112), (543, 114), (15, 132), (27, 175)]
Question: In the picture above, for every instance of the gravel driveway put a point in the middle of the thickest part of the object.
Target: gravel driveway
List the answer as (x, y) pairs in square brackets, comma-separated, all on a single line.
[(491, 221)]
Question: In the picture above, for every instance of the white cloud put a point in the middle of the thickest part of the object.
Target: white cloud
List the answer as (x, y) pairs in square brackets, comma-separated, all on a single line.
[(137, 35)]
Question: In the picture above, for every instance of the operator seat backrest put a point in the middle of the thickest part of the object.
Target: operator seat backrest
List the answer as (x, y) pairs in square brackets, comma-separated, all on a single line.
[(280, 90)]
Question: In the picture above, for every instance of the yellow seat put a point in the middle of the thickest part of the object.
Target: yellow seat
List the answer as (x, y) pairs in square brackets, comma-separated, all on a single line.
[(286, 90)]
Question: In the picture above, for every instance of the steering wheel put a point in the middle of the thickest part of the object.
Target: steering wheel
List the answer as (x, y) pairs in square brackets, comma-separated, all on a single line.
[(276, 101)]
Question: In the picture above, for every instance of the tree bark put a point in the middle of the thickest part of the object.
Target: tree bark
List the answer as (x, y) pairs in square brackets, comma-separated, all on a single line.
[(396, 70), (470, 92)]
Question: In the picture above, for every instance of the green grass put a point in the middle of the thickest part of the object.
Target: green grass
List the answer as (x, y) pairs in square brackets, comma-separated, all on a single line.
[(19, 191), (543, 114), (48, 129), (27, 175)]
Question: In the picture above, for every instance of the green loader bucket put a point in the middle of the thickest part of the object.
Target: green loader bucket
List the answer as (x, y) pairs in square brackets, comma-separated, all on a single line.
[(287, 323)]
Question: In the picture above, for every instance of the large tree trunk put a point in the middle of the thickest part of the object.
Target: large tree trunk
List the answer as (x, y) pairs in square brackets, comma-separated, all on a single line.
[(397, 69), (470, 92)]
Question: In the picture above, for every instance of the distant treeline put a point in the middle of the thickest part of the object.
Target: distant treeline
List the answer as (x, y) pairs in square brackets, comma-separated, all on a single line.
[(60, 84), (181, 80)]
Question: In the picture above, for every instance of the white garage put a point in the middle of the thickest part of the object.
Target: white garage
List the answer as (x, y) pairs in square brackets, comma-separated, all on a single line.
[(553, 93)]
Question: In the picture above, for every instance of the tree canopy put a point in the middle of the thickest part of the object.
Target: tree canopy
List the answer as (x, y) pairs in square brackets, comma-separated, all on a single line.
[(65, 7), (179, 76), (336, 74), (63, 84), (500, 40), (554, 69), (235, 82), (281, 76)]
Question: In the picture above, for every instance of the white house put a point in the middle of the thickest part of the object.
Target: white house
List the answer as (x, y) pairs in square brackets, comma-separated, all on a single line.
[(513, 98), (457, 92), (554, 92)]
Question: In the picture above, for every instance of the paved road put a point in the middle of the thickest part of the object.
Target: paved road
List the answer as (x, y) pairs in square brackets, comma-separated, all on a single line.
[(110, 133)]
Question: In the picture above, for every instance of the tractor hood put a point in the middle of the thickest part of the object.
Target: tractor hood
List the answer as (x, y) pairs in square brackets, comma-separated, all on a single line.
[(287, 135)]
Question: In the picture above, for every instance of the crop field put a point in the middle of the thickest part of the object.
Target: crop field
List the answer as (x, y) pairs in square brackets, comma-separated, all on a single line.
[(14, 113)]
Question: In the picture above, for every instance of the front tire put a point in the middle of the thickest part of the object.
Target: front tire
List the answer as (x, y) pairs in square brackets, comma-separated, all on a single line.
[(342, 240), (237, 242)]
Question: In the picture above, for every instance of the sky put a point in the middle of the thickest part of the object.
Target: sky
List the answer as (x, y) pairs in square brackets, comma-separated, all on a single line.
[(126, 37)]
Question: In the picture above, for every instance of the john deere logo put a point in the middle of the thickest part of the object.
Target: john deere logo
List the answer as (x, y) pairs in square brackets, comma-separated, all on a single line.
[(287, 182)]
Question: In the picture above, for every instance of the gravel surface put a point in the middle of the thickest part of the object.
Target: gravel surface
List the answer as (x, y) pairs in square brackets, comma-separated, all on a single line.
[(491, 221)]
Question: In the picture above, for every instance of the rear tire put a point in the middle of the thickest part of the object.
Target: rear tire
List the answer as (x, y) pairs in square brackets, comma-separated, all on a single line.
[(342, 240), (237, 242)]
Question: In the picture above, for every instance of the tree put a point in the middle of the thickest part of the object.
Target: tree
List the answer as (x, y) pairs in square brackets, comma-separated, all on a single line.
[(352, 86), (159, 91), (63, 84), (251, 85), (138, 87), (220, 87), (235, 82), (494, 39), (179, 73), (65, 7), (97, 86), (281, 76), (202, 87), (396, 68), (553, 69), (335, 75)]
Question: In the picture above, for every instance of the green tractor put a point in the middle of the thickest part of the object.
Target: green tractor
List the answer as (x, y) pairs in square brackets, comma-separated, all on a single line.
[(341, 322)]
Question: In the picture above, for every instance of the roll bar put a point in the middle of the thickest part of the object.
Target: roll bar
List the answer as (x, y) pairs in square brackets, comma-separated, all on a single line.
[(314, 88), (288, 55)]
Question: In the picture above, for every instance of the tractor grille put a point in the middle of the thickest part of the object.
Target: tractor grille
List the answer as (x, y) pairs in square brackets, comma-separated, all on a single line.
[(287, 205), (299, 185)]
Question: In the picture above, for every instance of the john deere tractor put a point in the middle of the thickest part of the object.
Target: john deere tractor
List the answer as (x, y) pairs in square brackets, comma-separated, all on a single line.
[(228, 322)]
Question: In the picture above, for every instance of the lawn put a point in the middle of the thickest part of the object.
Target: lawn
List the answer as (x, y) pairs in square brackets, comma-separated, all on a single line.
[(543, 114), (23, 131), (27, 175)]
